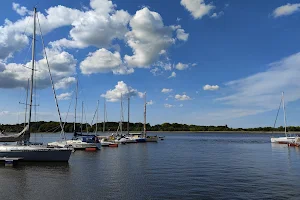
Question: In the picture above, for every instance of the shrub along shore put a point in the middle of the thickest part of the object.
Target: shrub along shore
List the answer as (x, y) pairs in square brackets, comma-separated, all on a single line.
[(51, 127)]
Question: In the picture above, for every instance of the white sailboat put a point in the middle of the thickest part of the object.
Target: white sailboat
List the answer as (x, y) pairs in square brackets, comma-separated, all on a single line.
[(287, 139), (128, 138), (24, 150), (77, 143)]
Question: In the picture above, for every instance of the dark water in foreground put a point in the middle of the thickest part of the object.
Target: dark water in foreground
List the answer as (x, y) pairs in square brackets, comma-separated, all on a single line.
[(184, 166)]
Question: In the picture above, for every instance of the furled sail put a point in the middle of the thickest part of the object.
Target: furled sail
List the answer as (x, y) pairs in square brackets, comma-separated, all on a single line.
[(14, 137)]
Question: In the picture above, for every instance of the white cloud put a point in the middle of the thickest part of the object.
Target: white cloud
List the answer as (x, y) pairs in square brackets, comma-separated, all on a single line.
[(148, 37), (62, 65), (173, 75), (165, 90), (181, 35), (183, 97), (198, 8), (211, 87), (287, 9), (103, 61), (64, 83), (168, 105), (150, 102), (64, 96), (262, 91), (121, 89), (217, 15), (21, 10), (97, 27), (13, 39), (181, 66)]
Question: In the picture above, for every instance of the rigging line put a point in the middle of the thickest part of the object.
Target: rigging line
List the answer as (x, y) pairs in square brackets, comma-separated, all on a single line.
[(27, 53), (51, 79), (94, 115), (68, 111), (277, 113)]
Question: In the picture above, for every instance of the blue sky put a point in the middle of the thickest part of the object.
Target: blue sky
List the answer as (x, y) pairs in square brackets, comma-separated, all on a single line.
[(200, 62)]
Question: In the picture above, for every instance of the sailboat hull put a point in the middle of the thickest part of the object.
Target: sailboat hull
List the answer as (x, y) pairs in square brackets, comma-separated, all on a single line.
[(284, 140), (34, 153)]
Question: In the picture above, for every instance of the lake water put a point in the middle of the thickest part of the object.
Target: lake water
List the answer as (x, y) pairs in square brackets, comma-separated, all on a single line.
[(183, 166)]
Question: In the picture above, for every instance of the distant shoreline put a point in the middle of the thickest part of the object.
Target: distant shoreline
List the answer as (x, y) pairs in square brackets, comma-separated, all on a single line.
[(260, 132)]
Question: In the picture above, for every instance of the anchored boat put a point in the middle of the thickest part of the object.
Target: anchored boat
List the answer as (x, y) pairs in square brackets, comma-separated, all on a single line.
[(24, 150)]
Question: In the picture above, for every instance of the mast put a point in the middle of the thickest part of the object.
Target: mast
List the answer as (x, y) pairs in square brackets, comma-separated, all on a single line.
[(284, 114), (76, 104), (128, 115), (81, 117), (104, 115), (145, 109), (121, 120), (26, 102), (32, 75), (97, 116)]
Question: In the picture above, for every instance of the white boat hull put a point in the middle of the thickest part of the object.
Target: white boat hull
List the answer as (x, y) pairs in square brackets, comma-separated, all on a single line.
[(284, 140), (75, 144), (35, 153)]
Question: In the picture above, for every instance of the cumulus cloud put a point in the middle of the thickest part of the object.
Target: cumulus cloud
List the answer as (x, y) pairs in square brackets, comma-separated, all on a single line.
[(101, 26), (21, 10), (64, 96), (150, 102), (166, 90), (103, 61), (173, 75), (64, 83), (197, 8), (181, 105), (262, 91), (285, 10), (181, 66), (181, 35), (217, 15), (121, 89), (168, 105), (211, 87), (14, 35), (148, 38), (96, 27), (62, 65), (183, 97)]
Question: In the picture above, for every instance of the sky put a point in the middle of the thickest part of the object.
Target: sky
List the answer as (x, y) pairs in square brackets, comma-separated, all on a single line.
[(199, 62)]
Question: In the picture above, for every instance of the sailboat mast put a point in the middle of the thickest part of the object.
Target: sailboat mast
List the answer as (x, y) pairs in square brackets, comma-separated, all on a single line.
[(284, 114), (26, 102), (76, 104), (32, 73), (128, 115), (97, 116), (81, 117), (145, 109), (121, 120), (104, 117)]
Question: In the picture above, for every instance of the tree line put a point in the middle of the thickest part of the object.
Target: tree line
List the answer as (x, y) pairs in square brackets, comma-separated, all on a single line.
[(52, 126)]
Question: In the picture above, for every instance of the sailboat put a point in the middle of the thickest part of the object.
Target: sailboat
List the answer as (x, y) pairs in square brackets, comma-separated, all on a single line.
[(79, 141), (121, 138), (24, 150), (287, 139)]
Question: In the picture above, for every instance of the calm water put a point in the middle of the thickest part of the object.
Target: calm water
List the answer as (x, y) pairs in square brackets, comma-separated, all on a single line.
[(184, 166)]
